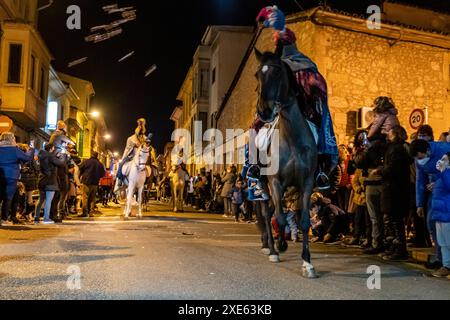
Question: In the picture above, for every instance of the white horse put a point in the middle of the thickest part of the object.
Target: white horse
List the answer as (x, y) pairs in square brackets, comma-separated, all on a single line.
[(136, 172), (178, 180)]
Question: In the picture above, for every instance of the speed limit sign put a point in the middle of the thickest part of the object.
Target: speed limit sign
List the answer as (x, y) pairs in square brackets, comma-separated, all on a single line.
[(416, 119)]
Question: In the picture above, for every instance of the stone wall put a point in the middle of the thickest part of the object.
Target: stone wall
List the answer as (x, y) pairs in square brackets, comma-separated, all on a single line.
[(358, 68)]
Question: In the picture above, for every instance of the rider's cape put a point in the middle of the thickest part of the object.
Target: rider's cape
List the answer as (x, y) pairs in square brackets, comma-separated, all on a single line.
[(313, 89)]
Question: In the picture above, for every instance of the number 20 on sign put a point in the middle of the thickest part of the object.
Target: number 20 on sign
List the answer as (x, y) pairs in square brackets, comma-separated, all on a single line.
[(417, 119)]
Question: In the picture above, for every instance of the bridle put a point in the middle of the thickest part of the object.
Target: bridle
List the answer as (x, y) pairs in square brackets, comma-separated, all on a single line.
[(138, 163), (278, 105)]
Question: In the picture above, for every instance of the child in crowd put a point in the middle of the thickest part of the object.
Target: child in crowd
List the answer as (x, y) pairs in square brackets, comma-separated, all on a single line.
[(19, 202), (385, 118), (291, 207), (237, 200)]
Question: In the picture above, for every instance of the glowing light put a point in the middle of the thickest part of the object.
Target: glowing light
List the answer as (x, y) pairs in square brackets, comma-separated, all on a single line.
[(52, 115), (95, 114)]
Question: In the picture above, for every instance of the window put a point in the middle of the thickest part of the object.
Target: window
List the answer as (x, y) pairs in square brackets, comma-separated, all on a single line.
[(203, 117), (15, 63), (204, 83), (33, 73), (43, 85), (214, 76)]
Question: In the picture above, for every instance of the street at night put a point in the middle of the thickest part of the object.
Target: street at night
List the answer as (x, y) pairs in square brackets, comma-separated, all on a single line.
[(188, 256)]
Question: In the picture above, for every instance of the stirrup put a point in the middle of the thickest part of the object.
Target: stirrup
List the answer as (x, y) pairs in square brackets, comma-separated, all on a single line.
[(322, 181)]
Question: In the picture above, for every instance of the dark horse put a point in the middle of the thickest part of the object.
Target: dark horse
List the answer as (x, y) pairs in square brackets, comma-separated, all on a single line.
[(297, 153)]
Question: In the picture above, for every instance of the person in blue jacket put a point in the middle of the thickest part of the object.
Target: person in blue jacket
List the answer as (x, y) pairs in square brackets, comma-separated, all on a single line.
[(441, 214), (10, 159), (427, 154)]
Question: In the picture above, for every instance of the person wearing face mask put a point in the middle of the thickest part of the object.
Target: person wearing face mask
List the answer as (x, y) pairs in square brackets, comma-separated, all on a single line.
[(427, 154), (441, 214)]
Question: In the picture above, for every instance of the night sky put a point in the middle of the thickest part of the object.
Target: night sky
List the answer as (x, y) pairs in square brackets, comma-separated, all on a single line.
[(166, 33)]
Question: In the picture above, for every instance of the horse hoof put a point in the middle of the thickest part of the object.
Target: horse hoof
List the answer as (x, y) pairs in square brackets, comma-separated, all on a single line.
[(266, 251), (274, 258), (309, 273), (139, 217), (126, 218)]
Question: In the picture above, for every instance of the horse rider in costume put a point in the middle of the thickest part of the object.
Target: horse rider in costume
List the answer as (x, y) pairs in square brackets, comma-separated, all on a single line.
[(134, 142), (179, 156), (311, 92)]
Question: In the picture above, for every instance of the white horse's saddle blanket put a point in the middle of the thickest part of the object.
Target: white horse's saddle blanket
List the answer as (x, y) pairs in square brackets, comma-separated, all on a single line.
[(126, 169)]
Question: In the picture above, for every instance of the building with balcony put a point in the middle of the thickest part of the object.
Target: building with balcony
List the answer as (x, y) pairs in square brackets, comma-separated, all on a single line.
[(24, 70)]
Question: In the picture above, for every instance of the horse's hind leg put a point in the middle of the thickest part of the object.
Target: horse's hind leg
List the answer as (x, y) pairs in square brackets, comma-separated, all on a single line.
[(182, 199), (266, 213), (130, 193), (175, 199), (280, 216), (308, 268), (140, 192)]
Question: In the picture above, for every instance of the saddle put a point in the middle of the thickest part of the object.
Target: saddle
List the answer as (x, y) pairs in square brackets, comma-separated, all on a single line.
[(126, 169)]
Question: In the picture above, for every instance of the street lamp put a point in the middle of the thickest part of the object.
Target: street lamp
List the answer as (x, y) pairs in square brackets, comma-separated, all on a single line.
[(108, 137), (95, 114), (116, 154)]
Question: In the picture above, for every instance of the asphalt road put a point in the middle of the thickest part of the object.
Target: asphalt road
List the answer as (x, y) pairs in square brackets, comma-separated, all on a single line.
[(190, 256)]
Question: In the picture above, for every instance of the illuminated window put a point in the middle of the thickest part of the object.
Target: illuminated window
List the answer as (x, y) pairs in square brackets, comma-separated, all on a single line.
[(52, 115)]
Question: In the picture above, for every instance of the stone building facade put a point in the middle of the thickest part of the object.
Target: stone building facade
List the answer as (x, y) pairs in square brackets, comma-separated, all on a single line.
[(359, 64)]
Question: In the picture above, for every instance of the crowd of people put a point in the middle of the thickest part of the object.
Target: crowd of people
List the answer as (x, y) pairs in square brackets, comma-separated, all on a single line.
[(387, 190), (63, 183)]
